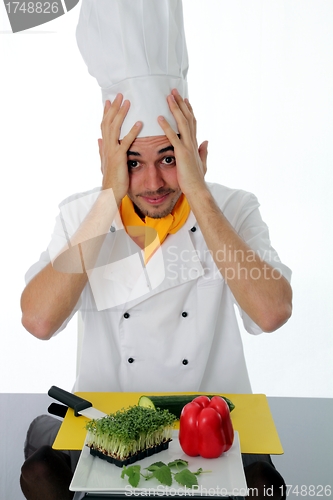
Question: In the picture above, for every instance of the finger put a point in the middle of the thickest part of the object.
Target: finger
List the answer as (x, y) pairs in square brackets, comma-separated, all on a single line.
[(194, 121), (181, 120), (187, 102), (113, 109), (107, 106), (114, 119), (115, 127), (184, 104), (187, 111), (101, 154), (181, 103), (203, 153), (168, 131), (106, 111), (131, 136), (100, 148)]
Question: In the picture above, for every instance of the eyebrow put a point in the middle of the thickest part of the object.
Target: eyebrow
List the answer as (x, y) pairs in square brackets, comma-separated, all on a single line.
[(161, 151)]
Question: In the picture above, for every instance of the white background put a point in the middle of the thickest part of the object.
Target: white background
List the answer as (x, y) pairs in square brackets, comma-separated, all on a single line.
[(260, 81)]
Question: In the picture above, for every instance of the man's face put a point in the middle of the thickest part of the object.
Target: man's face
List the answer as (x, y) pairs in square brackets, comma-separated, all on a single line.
[(152, 171)]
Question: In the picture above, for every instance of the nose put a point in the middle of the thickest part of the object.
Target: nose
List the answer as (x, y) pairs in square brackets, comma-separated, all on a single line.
[(153, 178)]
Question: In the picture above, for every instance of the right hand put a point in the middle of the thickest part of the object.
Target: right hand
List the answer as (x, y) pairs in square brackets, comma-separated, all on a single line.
[(113, 153), (191, 161)]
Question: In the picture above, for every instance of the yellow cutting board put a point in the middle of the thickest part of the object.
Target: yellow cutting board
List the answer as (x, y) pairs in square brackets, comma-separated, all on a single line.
[(251, 417)]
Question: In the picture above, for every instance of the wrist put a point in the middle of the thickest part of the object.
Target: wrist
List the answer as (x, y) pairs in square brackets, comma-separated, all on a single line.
[(197, 194), (117, 195)]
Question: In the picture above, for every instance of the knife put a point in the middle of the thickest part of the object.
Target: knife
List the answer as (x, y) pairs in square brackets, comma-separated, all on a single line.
[(79, 405)]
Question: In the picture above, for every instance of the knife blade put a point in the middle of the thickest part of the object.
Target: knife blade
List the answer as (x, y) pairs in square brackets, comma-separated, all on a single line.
[(79, 405)]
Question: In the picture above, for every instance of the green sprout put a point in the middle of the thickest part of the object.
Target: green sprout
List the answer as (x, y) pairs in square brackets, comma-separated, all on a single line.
[(130, 431)]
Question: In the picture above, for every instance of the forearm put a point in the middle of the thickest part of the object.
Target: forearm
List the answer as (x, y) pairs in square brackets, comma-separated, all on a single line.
[(264, 298), (260, 290), (49, 299), (52, 294)]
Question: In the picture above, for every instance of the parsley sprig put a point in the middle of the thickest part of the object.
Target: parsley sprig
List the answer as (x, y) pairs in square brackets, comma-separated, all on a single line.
[(164, 473)]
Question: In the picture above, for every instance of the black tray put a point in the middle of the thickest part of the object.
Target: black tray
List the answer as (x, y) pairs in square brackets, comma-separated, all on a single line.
[(133, 458)]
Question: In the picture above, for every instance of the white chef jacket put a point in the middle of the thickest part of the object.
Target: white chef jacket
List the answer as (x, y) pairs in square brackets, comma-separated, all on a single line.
[(170, 325)]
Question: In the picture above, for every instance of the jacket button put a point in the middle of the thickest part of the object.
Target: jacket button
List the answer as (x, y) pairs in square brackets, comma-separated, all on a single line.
[(184, 314), (193, 229), (112, 229), (126, 315), (185, 361), (130, 360)]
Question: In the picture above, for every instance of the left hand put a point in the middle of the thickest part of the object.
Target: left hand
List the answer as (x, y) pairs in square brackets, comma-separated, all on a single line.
[(191, 161)]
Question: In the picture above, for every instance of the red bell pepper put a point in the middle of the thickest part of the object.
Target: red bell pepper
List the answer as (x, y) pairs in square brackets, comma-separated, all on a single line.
[(205, 427)]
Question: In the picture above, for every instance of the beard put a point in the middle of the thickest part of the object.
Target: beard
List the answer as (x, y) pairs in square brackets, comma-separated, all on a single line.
[(157, 212)]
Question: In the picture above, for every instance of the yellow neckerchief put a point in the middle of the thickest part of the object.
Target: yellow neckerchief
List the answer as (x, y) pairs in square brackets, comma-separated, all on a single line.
[(150, 233)]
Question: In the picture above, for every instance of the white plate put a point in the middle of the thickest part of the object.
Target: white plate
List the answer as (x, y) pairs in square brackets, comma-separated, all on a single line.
[(226, 477)]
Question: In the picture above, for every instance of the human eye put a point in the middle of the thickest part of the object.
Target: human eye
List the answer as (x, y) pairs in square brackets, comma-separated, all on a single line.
[(133, 164), (169, 161)]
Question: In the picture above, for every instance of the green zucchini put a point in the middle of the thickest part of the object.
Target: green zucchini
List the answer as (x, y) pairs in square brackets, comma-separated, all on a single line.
[(174, 403)]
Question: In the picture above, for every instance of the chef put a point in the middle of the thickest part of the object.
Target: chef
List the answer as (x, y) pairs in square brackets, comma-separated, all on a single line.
[(156, 259)]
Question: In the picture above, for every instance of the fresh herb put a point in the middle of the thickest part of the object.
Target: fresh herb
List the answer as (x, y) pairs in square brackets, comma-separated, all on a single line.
[(186, 478), (164, 473), (133, 473), (127, 432), (178, 463)]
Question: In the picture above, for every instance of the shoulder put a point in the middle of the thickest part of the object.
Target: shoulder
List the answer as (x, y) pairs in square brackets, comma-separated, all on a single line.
[(84, 195), (235, 204), (224, 195)]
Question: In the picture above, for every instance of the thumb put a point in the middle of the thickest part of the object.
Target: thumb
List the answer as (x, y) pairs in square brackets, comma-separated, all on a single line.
[(203, 153), (100, 149)]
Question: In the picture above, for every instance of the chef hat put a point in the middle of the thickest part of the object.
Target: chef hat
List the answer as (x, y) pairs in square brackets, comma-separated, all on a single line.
[(137, 48)]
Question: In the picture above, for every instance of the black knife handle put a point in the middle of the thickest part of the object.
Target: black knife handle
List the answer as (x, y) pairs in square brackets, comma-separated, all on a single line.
[(58, 410), (69, 399)]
